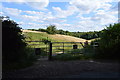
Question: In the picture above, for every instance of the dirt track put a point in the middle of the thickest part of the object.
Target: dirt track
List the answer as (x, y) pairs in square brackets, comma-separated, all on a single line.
[(47, 69)]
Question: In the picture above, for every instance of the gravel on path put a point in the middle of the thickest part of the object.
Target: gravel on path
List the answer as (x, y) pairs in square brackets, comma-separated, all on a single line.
[(77, 68)]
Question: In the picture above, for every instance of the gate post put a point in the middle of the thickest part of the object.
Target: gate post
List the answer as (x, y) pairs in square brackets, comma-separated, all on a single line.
[(50, 52), (63, 47)]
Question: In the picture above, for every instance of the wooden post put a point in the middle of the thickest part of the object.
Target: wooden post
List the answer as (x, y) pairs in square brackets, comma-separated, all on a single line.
[(63, 47), (50, 51)]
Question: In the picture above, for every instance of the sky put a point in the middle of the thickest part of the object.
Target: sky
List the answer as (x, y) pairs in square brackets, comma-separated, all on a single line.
[(71, 15)]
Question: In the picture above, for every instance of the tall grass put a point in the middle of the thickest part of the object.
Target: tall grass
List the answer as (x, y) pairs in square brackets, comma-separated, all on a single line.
[(27, 60)]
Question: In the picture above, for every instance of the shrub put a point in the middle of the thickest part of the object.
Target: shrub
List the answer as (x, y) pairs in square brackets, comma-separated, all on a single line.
[(109, 43), (15, 53), (12, 41)]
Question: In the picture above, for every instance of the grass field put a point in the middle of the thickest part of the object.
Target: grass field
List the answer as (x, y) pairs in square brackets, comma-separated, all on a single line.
[(36, 35), (57, 47)]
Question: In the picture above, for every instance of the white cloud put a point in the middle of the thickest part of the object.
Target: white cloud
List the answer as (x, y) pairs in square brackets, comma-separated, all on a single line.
[(49, 0), (13, 0), (103, 14), (53, 20), (104, 17), (32, 16), (21, 22), (63, 26), (97, 21), (106, 6), (28, 18), (1, 13), (87, 6), (11, 11), (34, 12), (22, 0), (44, 17), (36, 25), (38, 19), (16, 13), (36, 4), (39, 5), (64, 13), (113, 12), (40, 15), (0, 6)]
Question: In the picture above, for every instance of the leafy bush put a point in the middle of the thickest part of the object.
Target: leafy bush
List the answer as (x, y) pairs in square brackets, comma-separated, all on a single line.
[(15, 53), (109, 43), (13, 41), (26, 60)]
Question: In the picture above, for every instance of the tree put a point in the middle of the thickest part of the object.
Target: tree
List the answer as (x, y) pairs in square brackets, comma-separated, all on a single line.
[(42, 30), (61, 32), (13, 43), (110, 42), (51, 29)]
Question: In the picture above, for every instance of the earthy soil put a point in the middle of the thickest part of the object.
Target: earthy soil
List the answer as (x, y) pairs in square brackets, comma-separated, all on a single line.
[(46, 69)]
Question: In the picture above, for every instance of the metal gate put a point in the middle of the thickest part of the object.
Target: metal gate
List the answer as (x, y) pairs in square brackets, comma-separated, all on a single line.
[(50, 49), (40, 48), (56, 48)]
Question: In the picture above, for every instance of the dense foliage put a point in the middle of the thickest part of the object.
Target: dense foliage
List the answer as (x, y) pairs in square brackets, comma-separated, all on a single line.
[(15, 54), (12, 40), (90, 35), (109, 44)]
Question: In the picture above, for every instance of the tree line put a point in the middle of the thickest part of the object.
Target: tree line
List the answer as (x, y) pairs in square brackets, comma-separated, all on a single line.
[(85, 35)]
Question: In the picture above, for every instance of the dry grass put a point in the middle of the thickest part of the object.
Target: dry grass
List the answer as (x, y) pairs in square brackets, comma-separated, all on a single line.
[(60, 37), (67, 38), (32, 31)]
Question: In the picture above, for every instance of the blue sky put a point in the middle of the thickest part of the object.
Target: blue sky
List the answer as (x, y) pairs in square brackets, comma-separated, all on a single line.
[(72, 15)]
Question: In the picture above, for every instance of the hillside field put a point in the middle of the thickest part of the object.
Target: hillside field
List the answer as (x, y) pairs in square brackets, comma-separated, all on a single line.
[(37, 35)]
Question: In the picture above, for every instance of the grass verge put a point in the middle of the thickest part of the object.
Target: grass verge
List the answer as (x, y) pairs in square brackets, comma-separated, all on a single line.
[(66, 57), (26, 60)]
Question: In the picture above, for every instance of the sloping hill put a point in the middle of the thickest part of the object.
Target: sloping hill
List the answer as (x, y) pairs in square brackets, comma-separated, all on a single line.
[(67, 38), (37, 35)]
